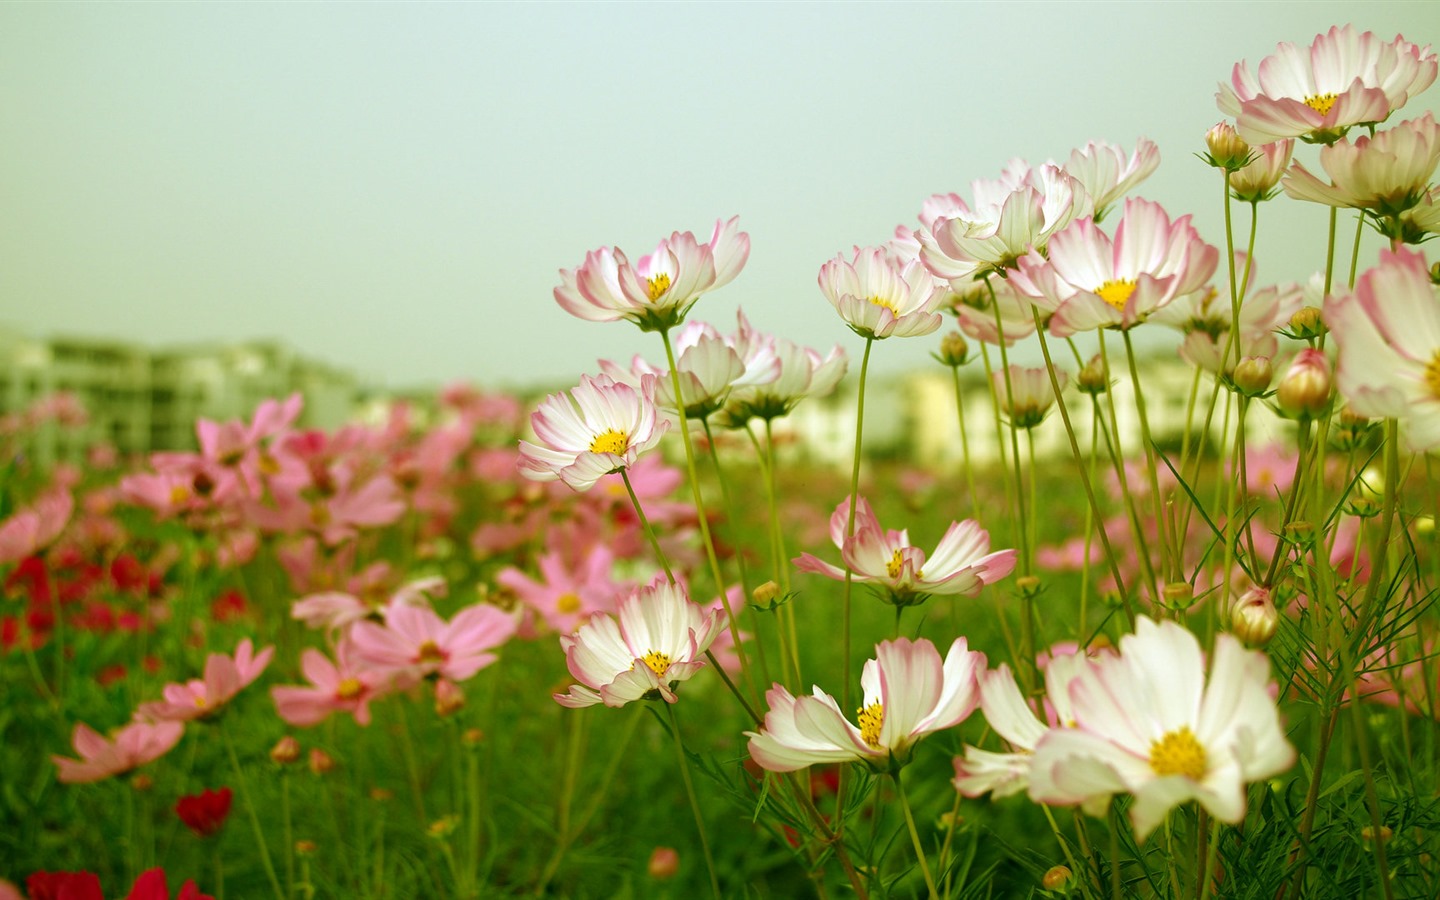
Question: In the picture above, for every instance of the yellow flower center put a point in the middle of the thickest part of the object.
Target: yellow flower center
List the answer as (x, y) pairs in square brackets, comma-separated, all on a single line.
[(610, 441), (201, 702), (568, 603), (1432, 375), (349, 689), (1178, 753), (179, 495), (658, 662), (430, 652), (657, 285), (871, 718), (885, 302), (1321, 103), (896, 565), (1116, 292)]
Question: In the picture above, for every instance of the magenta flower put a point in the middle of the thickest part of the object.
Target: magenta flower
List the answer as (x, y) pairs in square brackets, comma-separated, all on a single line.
[(1345, 78), (599, 428), (131, 747), (201, 698), (657, 291), (567, 595), (908, 693), (961, 564), (416, 642)]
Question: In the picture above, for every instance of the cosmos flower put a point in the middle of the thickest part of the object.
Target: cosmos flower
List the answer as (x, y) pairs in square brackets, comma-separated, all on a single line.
[(205, 813), (414, 642), (1149, 722), (599, 428), (198, 698), (961, 564), (1008, 218), (1105, 172), (657, 640), (1387, 334), (1025, 393), (346, 685), (880, 297), (1346, 78), (908, 693), (1387, 174), (131, 747), (34, 527), (657, 291), (1256, 180), (1090, 281), (801, 373)]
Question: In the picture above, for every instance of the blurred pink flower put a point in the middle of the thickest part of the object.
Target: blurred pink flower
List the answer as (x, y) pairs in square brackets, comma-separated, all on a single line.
[(32, 528), (341, 686), (567, 596), (416, 642), (131, 747), (225, 677)]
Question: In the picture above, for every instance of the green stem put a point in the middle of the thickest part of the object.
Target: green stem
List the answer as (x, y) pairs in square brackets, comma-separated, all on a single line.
[(250, 810), (915, 837), (694, 801), (850, 519), (645, 526), (965, 444)]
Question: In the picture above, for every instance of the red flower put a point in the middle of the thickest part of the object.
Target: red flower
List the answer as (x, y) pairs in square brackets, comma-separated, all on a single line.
[(64, 886), (204, 813)]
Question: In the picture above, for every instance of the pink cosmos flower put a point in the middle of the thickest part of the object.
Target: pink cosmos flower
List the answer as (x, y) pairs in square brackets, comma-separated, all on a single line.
[(599, 428), (1149, 722), (416, 642), (225, 677), (1387, 333), (800, 373), (1025, 393), (341, 686), (657, 291), (131, 747), (1008, 218), (1387, 174), (336, 609), (1105, 172), (658, 640), (908, 693), (961, 564), (1256, 180), (1090, 281), (32, 528), (1345, 78), (566, 596), (878, 296), (710, 366)]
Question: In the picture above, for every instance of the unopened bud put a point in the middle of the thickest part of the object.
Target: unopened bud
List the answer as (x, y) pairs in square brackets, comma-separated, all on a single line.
[(1027, 585), (1252, 375), (443, 827), (1253, 618), (766, 592), (285, 751), (320, 761), (472, 737), (1094, 378), (664, 863), (1228, 150), (381, 795), (141, 782), (1178, 594), (950, 820), (1055, 878), (1307, 324), (305, 848), (1368, 833), (954, 350), (449, 699), (1304, 392)]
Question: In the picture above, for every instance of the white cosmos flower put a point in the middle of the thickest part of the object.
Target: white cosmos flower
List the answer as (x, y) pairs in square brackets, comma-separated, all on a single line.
[(658, 640), (599, 428)]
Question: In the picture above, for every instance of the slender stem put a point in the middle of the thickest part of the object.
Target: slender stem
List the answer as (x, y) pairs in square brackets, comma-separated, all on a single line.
[(1293, 504), (1115, 852), (704, 520), (645, 526), (289, 832), (850, 519), (1167, 553), (1330, 249), (915, 837), (250, 810), (965, 444), (1207, 875), (694, 802), (1117, 459)]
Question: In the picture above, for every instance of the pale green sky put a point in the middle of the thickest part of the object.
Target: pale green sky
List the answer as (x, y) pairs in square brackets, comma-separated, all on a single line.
[(392, 187)]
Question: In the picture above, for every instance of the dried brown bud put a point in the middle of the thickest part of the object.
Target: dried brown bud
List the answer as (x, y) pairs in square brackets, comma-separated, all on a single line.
[(320, 761), (285, 751)]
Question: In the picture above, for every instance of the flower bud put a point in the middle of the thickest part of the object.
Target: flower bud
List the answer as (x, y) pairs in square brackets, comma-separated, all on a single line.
[(305, 848), (1178, 594), (1306, 324), (954, 351), (1094, 378), (1304, 392), (765, 593), (664, 863), (141, 782), (285, 751), (1253, 618), (443, 827), (1368, 833), (1228, 150), (1055, 878), (449, 699), (320, 761), (1252, 375), (1256, 180), (381, 795), (472, 737), (1027, 585)]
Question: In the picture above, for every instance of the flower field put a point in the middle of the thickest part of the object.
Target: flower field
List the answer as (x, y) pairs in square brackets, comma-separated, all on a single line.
[(633, 640)]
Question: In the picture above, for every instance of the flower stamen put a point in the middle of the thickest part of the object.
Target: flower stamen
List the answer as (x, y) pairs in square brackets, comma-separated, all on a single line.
[(871, 718), (1179, 752), (656, 285), (610, 441), (1432, 375), (1116, 292), (1321, 103), (658, 662)]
